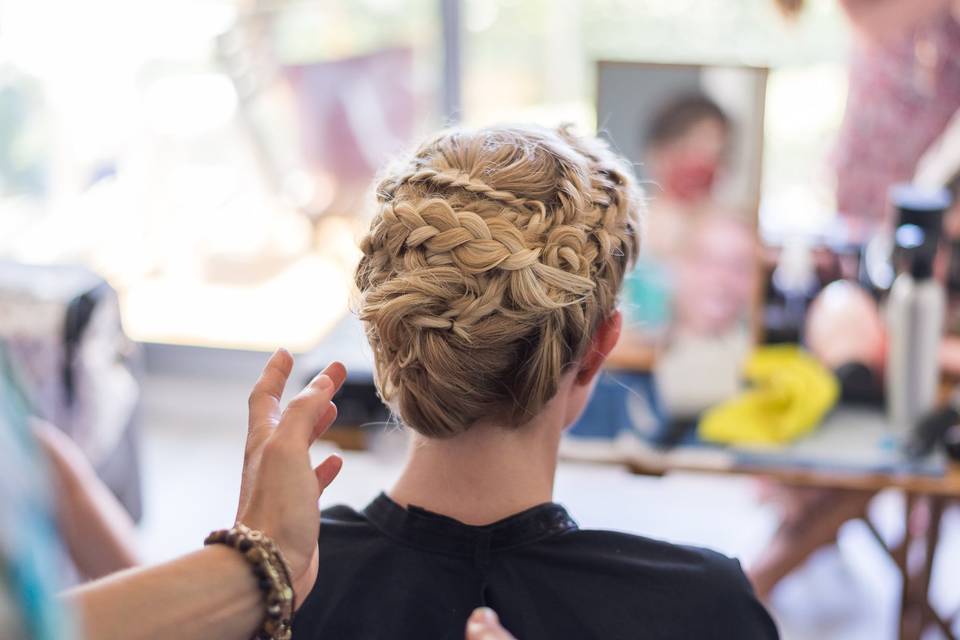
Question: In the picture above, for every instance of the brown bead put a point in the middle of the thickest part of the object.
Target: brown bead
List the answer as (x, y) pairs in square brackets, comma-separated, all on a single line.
[(272, 573)]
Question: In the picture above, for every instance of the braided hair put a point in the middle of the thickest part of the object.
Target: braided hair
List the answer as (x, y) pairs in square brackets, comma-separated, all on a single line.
[(493, 257)]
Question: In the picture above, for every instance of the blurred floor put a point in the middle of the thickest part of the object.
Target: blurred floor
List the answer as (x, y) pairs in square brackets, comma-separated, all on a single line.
[(192, 452)]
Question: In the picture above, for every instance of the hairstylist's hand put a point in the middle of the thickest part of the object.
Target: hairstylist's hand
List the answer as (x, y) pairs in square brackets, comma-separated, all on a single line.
[(485, 625), (280, 489)]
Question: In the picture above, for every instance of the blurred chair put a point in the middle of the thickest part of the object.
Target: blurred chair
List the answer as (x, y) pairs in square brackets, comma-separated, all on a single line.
[(76, 367)]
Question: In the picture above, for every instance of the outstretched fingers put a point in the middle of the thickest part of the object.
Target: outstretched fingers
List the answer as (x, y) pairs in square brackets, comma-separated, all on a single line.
[(311, 411), (265, 397)]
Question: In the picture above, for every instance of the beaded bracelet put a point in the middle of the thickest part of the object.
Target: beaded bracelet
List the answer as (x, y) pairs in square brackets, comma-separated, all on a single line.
[(273, 576)]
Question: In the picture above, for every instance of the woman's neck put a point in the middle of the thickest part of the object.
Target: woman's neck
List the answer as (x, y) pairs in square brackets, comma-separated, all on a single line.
[(485, 474)]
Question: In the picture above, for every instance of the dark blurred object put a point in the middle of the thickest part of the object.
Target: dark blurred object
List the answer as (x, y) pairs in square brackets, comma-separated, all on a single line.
[(358, 406), (677, 431), (953, 288), (75, 366), (953, 268), (792, 286), (932, 430), (916, 237), (951, 441), (859, 384), (919, 226), (797, 270), (358, 403)]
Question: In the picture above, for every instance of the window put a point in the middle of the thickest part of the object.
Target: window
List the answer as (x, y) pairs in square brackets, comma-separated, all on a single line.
[(211, 157), (197, 154)]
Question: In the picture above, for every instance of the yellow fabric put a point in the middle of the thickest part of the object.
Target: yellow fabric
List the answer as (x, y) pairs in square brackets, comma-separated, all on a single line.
[(790, 394)]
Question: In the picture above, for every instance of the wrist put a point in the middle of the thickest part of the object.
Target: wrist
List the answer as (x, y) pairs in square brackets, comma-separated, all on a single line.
[(272, 576)]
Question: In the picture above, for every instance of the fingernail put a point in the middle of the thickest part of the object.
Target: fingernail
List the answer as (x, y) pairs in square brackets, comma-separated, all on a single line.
[(323, 381), (484, 616), (477, 631), (330, 367)]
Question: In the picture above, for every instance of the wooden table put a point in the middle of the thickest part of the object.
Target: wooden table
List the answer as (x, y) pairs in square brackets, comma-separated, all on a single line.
[(926, 498), (927, 494)]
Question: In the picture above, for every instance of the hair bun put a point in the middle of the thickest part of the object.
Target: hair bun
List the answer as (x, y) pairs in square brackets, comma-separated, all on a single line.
[(490, 261)]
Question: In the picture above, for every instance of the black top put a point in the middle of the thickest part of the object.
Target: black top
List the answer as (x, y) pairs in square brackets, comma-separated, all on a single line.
[(396, 573)]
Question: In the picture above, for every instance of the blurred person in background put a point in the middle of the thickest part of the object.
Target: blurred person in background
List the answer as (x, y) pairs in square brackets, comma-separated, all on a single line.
[(688, 145), (698, 265), (904, 87)]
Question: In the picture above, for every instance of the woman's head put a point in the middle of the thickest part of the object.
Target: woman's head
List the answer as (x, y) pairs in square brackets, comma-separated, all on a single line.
[(687, 143), (494, 256)]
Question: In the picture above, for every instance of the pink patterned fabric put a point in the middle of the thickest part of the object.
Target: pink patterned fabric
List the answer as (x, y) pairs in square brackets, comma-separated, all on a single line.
[(901, 99)]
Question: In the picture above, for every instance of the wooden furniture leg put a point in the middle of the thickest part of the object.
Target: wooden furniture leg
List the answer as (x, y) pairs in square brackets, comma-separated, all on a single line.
[(911, 620), (914, 557), (792, 545)]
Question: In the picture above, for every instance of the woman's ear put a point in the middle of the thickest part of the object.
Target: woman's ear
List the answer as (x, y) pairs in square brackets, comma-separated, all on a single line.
[(604, 339)]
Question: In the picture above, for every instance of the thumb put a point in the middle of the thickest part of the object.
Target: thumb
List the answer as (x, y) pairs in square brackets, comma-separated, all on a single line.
[(328, 470), (485, 625)]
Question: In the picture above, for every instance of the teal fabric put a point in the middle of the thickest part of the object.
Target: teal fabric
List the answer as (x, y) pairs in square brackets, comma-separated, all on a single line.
[(647, 297), (29, 548)]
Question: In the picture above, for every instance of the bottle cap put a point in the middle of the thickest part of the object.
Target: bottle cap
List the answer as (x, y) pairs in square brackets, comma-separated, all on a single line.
[(920, 213), (920, 206)]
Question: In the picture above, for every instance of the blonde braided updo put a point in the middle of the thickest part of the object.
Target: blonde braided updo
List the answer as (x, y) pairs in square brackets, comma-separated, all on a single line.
[(493, 257)]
